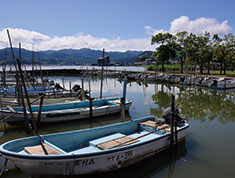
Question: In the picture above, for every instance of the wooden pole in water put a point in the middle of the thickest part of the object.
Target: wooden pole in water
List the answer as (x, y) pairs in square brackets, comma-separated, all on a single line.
[(41, 76), (4, 69), (17, 75), (27, 125), (89, 85), (82, 82), (63, 81), (102, 75), (40, 109), (124, 88), (33, 64), (4, 121), (91, 109), (70, 88), (172, 120), (176, 132), (27, 97), (122, 107)]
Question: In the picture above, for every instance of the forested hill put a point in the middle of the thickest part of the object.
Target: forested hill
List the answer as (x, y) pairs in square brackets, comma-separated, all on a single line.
[(68, 56)]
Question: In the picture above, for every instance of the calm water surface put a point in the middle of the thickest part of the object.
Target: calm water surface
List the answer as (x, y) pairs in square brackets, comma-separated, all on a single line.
[(209, 150)]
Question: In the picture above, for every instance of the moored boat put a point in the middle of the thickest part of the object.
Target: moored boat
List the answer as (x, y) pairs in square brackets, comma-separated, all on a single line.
[(93, 150), (66, 111), (222, 83)]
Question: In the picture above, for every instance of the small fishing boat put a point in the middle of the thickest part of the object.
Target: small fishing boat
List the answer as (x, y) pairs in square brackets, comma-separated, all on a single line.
[(94, 150), (188, 80), (174, 79), (163, 77), (203, 81), (66, 111), (222, 83)]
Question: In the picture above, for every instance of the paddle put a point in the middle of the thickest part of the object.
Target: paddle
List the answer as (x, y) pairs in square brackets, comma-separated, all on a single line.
[(42, 144), (155, 130)]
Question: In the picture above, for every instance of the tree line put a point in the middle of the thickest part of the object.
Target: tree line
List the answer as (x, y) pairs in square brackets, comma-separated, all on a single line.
[(202, 51)]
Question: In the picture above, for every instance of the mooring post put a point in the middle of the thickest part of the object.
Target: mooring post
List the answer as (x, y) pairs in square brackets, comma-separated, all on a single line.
[(122, 107), (4, 121), (176, 132), (17, 75), (102, 75), (40, 108), (91, 110), (63, 81), (82, 82), (27, 97), (27, 125), (89, 85), (172, 119), (70, 88), (124, 88)]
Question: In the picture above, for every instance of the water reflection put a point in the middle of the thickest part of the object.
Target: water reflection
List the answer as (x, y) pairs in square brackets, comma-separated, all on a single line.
[(197, 103), (200, 105)]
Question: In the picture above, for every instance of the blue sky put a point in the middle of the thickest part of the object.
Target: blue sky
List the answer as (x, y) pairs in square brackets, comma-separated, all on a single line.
[(116, 25)]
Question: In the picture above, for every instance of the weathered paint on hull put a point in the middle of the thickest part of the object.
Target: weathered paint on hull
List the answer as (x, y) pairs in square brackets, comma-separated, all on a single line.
[(95, 164), (45, 118)]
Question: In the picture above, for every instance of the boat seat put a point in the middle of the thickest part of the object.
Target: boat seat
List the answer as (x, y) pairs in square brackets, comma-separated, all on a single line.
[(163, 126), (123, 141), (116, 101), (38, 150), (105, 139), (149, 123)]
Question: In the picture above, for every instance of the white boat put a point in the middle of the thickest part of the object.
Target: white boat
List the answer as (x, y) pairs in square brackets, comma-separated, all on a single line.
[(222, 83), (66, 111), (203, 81), (188, 80), (93, 150)]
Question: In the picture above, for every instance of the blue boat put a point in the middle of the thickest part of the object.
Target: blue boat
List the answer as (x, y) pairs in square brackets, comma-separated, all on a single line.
[(92, 150), (66, 111)]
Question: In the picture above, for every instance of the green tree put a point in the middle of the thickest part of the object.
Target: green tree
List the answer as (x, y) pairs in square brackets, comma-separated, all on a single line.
[(166, 47), (229, 58), (181, 51), (218, 51)]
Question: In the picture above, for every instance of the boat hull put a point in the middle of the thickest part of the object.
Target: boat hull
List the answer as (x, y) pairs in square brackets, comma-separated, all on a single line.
[(67, 114), (96, 163)]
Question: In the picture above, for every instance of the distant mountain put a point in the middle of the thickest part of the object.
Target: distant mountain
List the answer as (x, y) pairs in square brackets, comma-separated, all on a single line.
[(68, 56)]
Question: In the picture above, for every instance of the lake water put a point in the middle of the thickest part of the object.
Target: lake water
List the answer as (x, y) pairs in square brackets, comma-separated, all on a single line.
[(209, 150), (83, 67)]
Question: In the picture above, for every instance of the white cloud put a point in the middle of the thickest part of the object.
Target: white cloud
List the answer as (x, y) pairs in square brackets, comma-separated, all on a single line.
[(197, 26), (21, 35), (80, 40), (151, 31)]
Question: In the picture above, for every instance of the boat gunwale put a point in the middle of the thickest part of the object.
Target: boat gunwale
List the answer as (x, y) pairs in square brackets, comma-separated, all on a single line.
[(84, 155), (7, 111)]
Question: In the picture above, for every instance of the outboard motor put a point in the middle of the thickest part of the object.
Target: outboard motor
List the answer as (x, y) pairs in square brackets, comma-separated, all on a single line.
[(167, 115), (80, 93), (52, 82), (58, 87), (76, 88)]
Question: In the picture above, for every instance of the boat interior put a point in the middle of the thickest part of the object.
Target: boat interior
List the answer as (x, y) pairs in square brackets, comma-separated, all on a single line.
[(94, 140)]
